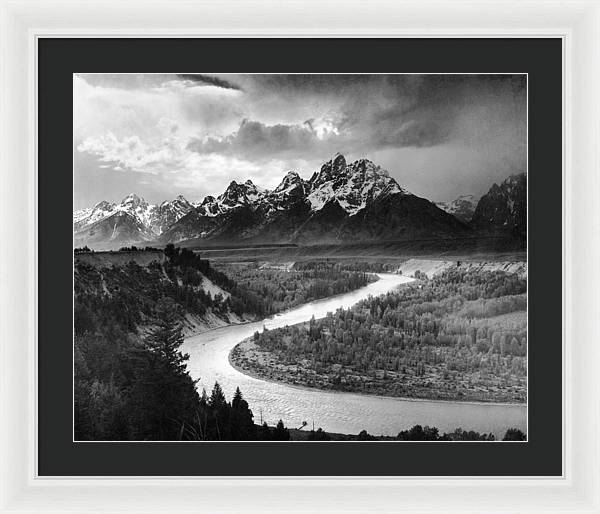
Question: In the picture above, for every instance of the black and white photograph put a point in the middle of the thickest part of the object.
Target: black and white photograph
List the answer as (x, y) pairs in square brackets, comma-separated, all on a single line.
[(300, 257)]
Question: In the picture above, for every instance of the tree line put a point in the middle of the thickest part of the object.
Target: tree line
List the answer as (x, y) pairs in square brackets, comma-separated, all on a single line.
[(267, 291)]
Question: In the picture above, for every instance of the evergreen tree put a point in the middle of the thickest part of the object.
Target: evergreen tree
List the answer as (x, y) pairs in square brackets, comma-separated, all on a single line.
[(242, 424), (217, 398), (264, 432), (166, 338), (164, 395), (281, 433), (220, 414)]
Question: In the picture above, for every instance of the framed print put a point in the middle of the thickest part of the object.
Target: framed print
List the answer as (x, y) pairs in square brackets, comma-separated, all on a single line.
[(339, 260), (255, 271), (318, 310)]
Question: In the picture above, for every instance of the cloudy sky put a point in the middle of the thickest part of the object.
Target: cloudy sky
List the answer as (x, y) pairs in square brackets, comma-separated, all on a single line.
[(159, 136)]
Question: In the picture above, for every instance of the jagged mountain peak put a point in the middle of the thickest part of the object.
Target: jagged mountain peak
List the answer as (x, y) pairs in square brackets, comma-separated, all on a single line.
[(244, 187), (240, 192), (291, 175), (365, 166), (179, 201), (353, 185), (338, 160), (133, 199), (290, 180), (504, 206), (103, 204), (331, 169), (236, 195)]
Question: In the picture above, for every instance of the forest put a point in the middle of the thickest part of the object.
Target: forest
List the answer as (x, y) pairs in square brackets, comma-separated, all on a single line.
[(133, 387), (130, 379), (459, 336), (267, 291)]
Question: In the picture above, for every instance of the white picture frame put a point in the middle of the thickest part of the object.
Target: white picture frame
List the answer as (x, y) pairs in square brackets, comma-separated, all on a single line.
[(577, 23)]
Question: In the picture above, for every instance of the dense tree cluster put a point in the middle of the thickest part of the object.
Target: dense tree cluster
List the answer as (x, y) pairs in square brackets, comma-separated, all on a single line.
[(343, 265), (461, 335), (130, 380), (426, 433), (127, 295), (132, 387), (266, 291), (129, 292), (220, 420), (419, 433)]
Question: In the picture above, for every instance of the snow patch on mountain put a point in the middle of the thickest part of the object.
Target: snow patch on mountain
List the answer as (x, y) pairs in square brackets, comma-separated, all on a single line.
[(236, 195), (152, 219), (462, 207), (353, 185)]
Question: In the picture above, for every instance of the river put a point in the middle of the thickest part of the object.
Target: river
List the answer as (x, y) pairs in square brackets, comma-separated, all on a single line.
[(346, 413)]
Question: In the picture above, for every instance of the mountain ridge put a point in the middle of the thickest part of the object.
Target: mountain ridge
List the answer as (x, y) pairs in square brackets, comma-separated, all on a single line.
[(341, 202), (504, 207)]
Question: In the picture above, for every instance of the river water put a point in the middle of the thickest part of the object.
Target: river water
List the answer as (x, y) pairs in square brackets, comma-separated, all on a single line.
[(335, 412)]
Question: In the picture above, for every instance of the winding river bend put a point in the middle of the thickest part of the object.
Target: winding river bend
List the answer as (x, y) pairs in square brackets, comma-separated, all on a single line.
[(346, 413)]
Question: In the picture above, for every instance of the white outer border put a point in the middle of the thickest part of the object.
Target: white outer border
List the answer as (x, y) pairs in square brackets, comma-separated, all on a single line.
[(577, 21)]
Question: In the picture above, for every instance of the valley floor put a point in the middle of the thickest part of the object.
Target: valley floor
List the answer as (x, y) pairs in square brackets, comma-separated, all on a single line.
[(487, 363)]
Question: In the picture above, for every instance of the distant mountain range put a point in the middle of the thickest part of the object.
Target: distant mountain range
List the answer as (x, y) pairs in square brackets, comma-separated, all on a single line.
[(132, 221), (340, 203), (462, 208)]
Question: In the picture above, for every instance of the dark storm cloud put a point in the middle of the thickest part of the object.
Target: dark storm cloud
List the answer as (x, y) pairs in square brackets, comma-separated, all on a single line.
[(422, 111), (210, 80), (376, 112), (257, 140)]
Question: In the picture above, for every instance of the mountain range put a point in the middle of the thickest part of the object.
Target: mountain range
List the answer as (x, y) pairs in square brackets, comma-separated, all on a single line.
[(340, 203)]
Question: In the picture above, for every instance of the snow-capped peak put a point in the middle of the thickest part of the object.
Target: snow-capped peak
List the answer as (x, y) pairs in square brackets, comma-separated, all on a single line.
[(104, 205), (133, 200), (153, 218), (291, 180), (332, 169), (236, 195), (351, 185)]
